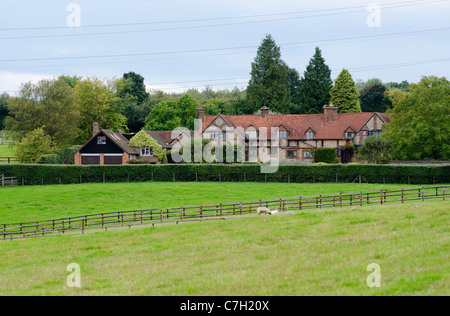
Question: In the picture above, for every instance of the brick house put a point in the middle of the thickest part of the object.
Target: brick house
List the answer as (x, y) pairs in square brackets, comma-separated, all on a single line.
[(299, 134), (111, 148)]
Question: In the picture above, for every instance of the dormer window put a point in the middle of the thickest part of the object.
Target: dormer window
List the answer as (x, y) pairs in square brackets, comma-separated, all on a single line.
[(282, 135), (146, 152), (309, 135), (101, 140), (251, 134), (349, 135)]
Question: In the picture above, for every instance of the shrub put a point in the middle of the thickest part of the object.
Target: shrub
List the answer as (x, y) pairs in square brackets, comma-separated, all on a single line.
[(326, 155), (61, 157), (142, 139), (376, 150), (32, 146)]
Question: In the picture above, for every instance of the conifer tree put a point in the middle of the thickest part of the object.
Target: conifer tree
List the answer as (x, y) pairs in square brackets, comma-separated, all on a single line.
[(345, 94), (269, 85), (315, 86)]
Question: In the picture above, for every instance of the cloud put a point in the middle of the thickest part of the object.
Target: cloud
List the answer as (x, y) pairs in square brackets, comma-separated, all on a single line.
[(11, 82)]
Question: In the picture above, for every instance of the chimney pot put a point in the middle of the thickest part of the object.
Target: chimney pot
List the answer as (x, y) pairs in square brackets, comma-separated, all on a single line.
[(201, 114), (96, 129), (264, 112), (330, 113)]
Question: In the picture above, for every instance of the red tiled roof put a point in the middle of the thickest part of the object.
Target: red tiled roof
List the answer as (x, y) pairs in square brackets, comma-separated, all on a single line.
[(299, 124)]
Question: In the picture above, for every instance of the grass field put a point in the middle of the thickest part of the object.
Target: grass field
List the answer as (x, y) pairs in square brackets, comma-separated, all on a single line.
[(323, 252), (26, 204), (313, 253), (6, 150)]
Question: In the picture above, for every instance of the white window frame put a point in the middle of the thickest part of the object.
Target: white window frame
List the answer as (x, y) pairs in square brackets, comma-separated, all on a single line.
[(347, 135), (251, 134), (282, 135), (146, 152), (308, 154), (310, 135), (101, 140)]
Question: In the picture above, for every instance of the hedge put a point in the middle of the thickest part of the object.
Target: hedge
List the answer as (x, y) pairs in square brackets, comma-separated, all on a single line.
[(326, 155), (66, 174)]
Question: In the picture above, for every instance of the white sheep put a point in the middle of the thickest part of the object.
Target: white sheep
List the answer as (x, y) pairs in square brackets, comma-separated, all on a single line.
[(265, 210)]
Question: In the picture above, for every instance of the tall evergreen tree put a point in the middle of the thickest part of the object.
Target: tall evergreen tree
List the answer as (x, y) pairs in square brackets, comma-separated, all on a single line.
[(316, 85), (295, 88), (269, 85), (345, 94), (134, 100)]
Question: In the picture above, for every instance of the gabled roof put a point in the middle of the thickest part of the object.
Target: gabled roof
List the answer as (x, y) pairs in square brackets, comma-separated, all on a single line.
[(117, 138), (160, 137), (299, 124)]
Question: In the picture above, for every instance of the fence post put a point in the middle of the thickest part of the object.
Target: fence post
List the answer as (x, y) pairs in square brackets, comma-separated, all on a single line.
[(3, 180), (443, 192), (361, 198), (423, 194), (403, 196)]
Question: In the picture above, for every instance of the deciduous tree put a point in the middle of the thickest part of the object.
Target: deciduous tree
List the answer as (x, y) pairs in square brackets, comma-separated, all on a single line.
[(49, 104), (373, 98), (420, 127), (98, 102), (3, 108)]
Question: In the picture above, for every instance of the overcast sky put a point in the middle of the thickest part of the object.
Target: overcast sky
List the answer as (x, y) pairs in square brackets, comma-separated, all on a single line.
[(177, 44)]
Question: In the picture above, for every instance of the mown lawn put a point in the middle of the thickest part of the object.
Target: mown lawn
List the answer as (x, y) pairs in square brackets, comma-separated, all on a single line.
[(27, 204), (6, 150), (312, 253)]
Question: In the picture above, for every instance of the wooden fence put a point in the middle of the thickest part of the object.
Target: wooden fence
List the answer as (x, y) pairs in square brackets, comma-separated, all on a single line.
[(7, 181), (7, 160), (79, 225)]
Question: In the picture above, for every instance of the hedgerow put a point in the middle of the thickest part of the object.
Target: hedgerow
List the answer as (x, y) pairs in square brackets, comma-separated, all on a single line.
[(66, 174)]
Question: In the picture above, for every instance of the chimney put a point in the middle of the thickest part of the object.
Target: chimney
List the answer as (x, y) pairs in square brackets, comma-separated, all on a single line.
[(330, 113), (95, 129), (201, 114), (264, 112)]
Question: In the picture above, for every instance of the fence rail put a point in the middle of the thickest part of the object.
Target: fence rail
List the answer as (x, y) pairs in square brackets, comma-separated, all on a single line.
[(105, 221), (8, 160), (7, 181)]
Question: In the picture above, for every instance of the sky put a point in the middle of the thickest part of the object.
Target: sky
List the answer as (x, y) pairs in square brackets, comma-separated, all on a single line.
[(180, 44)]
